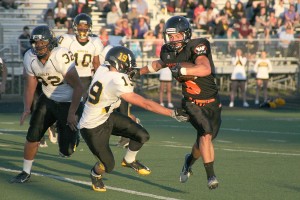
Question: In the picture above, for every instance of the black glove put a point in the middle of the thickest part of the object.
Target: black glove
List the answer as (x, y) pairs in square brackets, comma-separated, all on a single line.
[(176, 71), (167, 55), (180, 115), (134, 74)]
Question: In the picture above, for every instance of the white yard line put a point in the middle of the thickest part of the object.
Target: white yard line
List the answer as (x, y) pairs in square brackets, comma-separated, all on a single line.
[(241, 150), (70, 180)]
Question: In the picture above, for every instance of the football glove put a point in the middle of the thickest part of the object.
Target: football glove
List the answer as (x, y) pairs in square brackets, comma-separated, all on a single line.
[(134, 74), (167, 55), (180, 115)]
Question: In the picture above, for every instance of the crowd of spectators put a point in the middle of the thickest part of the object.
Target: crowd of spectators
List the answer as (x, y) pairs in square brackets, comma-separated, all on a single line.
[(248, 20)]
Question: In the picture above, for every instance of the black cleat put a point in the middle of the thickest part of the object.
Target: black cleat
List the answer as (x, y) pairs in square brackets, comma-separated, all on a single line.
[(21, 178), (97, 183), (137, 166)]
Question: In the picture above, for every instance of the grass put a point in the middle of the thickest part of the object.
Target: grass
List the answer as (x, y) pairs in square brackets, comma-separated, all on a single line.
[(257, 157)]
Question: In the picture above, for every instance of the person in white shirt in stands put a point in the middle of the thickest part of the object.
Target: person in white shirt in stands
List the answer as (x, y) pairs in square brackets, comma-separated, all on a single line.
[(262, 68), (238, 78)]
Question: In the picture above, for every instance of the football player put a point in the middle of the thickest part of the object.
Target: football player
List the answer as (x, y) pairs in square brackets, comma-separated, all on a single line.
[(190, 61), (86, 49), (110, 84), (62, 90)]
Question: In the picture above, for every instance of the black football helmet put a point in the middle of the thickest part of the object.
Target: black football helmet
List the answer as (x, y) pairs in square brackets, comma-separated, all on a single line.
[(177, 24), (42, 33), (84, 19), (120, 58)]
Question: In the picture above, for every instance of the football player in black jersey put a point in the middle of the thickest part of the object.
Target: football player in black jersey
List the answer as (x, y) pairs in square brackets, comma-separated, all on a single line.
[(191, 63)]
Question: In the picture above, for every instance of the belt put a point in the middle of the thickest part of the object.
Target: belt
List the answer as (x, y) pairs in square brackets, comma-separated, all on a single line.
[(201, 102)]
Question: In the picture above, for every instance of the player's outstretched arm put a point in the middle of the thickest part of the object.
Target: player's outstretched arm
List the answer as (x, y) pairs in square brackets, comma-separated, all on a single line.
[(152, 106)]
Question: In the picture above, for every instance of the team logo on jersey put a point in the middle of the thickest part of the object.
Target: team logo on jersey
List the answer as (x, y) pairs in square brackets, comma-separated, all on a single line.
[(200, 49)]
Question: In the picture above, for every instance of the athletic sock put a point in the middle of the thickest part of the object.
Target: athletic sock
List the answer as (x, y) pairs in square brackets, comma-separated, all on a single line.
[(27, 164), (130, 156), (209, 168)]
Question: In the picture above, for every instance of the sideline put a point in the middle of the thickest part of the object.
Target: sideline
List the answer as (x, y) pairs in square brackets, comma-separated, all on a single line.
[(70, 180)]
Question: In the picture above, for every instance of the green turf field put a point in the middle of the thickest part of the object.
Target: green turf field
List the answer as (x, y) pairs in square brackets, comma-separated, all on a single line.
[(257, 157)]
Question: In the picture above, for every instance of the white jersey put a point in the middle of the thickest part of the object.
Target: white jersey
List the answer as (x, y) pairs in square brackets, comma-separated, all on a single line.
[(262, 68), (52, 73), (104, 96), (83, 53)]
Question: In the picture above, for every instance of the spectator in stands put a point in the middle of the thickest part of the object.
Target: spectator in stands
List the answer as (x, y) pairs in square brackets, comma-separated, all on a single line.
[(126, 28), (148, 44), (133, 15), (238, 78), (279, 9), (273, 24), (158, 44), (206, 20), (122, 6), (197, 11), (238, 11), (286, 38), (205, 3), (159, 28), (70, 30), (262, 25), (250, 48), (228, 11), (291, 15), (103, 5), (80, 6), (222, 25), (262, 68), (243, 27), (49, 18), (165, 79), (3, 72), (112, 17), (142, 7), (140, 28), (60, 15), (24, 40), (232, 35), (104, 37)]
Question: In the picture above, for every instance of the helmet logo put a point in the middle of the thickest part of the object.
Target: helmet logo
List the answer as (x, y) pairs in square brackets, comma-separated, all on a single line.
[(171, 30), (37, 37), (82, 21)]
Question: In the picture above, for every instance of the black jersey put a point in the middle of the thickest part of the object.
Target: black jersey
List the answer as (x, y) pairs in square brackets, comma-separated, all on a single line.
[(202, 87)]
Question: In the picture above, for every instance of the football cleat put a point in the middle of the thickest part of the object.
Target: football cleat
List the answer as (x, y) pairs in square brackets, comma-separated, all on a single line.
[(186, 170), (21, 178), (212, 183), (97, 183), (137, 166)]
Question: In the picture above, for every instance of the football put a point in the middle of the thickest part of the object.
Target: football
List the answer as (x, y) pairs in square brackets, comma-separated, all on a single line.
[(185, 78)]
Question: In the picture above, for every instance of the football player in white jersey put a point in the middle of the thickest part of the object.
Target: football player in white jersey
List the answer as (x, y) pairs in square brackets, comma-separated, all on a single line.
[(62, 90), (99, 120), (86, 49)]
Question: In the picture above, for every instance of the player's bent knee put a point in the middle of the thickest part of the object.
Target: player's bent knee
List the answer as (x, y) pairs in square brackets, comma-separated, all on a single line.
[(66, 153), (143, 136)]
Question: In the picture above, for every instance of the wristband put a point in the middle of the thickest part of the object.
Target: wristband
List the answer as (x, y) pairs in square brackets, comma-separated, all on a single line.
[(183, 71), (150, 68)]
